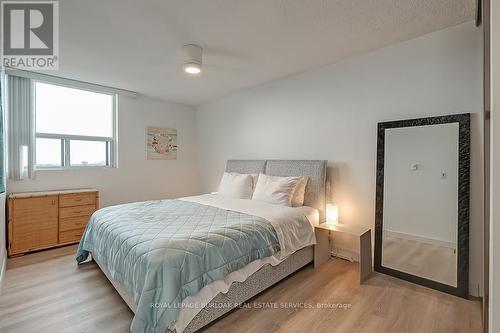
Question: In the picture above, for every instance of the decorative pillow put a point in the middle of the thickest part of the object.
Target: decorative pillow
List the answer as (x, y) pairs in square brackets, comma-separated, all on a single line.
[(300, 192), (275, 190), (236, 185)]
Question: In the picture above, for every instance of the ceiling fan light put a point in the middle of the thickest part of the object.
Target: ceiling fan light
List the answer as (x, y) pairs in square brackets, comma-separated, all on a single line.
[(192, 68), (193, 55)]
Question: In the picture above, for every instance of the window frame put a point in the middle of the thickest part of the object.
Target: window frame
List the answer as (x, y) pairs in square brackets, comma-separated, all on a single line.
[(111, 142)]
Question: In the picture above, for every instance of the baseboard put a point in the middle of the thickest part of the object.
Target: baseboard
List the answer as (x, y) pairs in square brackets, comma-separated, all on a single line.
[(432, 241), (344, 253), (474, 290)]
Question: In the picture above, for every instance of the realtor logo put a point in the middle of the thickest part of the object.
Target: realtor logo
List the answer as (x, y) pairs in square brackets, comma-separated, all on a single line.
[(30, 34)]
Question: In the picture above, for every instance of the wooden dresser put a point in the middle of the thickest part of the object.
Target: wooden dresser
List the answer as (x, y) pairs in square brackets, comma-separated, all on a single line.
[(42, 220)]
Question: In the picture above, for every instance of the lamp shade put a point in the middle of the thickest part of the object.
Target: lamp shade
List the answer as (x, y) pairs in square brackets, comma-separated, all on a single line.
[(332, 213)]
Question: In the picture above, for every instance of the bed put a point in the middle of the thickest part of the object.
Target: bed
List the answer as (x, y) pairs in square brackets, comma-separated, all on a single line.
[(209, 254)]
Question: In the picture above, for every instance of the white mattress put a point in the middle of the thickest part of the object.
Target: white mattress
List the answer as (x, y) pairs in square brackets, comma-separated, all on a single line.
[(294, 227)]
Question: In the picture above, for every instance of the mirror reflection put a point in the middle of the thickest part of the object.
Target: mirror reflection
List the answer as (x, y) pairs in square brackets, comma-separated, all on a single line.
[(420, 205)]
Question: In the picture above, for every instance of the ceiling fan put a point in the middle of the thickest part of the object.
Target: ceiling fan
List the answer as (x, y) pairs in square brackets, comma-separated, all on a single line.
[(193, 60)]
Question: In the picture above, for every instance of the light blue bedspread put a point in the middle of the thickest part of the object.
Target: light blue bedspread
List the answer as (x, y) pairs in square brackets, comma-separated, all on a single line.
[(163, 251)]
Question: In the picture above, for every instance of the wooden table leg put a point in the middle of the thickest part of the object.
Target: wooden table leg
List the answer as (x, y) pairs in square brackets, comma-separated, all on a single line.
[(322, 247)]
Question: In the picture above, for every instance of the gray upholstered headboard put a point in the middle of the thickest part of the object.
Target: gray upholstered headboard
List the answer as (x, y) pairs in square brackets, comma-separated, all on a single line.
[(314, 169)]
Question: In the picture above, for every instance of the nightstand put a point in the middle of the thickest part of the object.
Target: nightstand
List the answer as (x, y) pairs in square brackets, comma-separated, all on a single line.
[(322, 249)]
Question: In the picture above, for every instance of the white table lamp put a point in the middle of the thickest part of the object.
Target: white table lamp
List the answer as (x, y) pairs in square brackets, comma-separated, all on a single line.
[(332, 214)]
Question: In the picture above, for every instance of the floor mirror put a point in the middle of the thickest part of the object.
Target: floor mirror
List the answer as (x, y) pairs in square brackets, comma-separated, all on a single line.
[(422, 201)]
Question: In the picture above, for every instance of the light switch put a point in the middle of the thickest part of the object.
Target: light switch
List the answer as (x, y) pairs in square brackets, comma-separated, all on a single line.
[(414, 167), (444, 175)]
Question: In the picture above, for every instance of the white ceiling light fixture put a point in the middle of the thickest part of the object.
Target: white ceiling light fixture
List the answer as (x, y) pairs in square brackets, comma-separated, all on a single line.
[(193, 59)]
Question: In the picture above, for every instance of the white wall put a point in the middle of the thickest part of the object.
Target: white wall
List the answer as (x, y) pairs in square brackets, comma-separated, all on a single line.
[(494, 288), (421, 202), (135, 178), (332, 113)]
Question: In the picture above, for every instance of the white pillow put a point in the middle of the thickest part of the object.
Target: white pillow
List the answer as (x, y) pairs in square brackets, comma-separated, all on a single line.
[(236, 185), (275, 190), (255, 178), (300, 192)]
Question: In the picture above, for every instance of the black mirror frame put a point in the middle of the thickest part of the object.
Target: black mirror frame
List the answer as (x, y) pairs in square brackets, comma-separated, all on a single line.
[(462, 288)]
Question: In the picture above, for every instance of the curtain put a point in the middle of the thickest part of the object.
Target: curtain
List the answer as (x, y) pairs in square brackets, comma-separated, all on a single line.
[(21, 127), (2, 139)]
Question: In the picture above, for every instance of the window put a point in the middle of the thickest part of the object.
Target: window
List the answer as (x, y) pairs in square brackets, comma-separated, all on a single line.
[(74, 127)]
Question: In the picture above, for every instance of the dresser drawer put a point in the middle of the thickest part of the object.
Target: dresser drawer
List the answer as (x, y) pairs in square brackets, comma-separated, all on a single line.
[(77, 199), (70, 236), (72, 223), (76, 211)]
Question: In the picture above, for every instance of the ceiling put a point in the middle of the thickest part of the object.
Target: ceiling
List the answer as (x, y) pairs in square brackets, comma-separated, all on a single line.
[(136, 45)]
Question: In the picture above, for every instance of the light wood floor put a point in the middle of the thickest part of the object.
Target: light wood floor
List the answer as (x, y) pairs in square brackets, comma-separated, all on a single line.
[(437, 263), (47, 292)]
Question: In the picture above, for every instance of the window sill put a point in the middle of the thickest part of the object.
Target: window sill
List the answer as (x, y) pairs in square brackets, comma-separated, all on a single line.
[(75, 168)]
